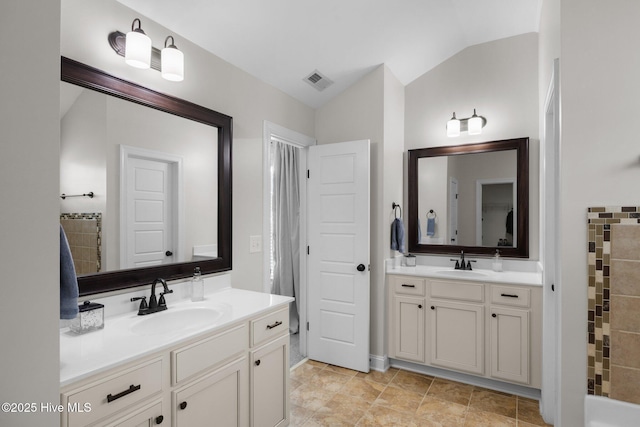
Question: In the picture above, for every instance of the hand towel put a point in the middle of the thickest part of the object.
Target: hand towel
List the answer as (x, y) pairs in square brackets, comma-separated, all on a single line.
[(431, 226), (397, 235), (68, 281)]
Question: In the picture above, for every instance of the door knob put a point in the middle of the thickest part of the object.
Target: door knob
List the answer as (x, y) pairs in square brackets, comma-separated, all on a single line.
[(361, 267), (168, 253)]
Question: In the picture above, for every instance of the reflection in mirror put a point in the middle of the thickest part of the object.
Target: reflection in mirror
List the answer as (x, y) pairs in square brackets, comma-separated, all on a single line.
[(463, 199), (201, 198), (153, 176), (470, 198)]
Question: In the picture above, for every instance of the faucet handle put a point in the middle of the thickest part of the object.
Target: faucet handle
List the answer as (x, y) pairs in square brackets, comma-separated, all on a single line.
[(469, 264), (143, 303)]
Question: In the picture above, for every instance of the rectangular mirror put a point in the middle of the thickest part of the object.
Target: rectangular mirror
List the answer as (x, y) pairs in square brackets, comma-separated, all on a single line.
[(470, 198), (159, 170)]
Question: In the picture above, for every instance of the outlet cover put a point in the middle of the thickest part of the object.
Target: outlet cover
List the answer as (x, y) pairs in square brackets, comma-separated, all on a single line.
[(255, 244)]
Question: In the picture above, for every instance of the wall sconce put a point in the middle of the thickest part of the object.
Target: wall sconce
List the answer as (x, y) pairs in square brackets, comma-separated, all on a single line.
[(138, 52), (473, 125)]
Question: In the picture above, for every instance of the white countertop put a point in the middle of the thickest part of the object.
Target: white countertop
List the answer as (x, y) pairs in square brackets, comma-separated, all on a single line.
[(98, 351), (476, 275)]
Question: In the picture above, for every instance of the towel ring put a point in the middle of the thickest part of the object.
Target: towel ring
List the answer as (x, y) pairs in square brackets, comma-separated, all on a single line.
[(432, 213), (394, 205)]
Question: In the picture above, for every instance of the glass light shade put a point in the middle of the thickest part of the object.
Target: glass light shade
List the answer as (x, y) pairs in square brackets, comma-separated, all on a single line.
[(172, 64), (475, 125), (453, 127), (138, 50)]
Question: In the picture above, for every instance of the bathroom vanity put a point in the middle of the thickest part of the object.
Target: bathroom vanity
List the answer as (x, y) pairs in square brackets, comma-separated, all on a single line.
[(223, 361), (482, 323)]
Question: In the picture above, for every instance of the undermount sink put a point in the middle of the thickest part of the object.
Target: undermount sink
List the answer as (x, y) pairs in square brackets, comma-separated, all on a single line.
[(186, 319), (461, 273)]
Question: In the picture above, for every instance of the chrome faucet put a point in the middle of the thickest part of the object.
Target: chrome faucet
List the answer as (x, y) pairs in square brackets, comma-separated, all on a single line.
[(460, 264), (154, 305)]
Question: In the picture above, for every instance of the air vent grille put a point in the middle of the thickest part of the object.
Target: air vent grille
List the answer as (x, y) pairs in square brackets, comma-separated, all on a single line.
[(318, 80)]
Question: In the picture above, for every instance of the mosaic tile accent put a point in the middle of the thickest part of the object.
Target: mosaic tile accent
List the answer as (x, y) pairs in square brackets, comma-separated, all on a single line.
[(84, 233), (600, 220)]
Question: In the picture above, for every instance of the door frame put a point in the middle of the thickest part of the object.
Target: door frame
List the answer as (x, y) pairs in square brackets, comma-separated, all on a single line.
[(270, 132), (175, 162)]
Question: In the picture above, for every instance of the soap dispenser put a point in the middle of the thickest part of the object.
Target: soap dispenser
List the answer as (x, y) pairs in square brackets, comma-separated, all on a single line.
[(497, 261), (197, 286)]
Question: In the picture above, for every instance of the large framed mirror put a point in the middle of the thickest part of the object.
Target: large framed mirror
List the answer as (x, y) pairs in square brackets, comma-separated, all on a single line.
[(145, 157), (472, 198)]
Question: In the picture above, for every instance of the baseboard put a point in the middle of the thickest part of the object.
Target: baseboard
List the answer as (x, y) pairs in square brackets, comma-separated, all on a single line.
[(378, 363)]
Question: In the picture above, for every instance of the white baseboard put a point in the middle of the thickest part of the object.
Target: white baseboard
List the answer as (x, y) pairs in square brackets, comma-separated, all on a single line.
[(378, 363)]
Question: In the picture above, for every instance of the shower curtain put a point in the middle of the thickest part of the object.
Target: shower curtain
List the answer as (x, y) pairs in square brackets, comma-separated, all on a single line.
[(285, 214)]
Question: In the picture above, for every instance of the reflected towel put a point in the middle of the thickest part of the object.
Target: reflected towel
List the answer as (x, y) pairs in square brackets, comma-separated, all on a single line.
[(68, 281), (431, 226), (397, 235)]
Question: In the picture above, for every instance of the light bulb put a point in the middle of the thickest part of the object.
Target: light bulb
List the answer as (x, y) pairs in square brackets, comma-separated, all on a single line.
[(172, 62), (453, 126), (475, 124), (138, 47)]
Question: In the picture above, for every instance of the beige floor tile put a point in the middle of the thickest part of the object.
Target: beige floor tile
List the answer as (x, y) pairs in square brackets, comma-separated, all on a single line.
[(488, 401), (529, 412), (309, 396), (451, 391), (399, 400), (381, 416), (362, 389), (477, 418), (341, 370), (316, 363), (341, 410), (304, 372), (328, 380), (437, 412), (294, 384), (410, 381), (299, 415), (379, 377)]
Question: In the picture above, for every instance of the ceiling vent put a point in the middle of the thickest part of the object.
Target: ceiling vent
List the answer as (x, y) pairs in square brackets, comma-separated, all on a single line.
[(318, 80)]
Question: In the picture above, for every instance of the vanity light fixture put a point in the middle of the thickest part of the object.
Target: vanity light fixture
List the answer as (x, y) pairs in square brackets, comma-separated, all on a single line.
[(172, 62), (138, 47), (138, 52), (473, 125)]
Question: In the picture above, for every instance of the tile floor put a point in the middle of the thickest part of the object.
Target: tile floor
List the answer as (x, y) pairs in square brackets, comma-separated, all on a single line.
[(326, 395)]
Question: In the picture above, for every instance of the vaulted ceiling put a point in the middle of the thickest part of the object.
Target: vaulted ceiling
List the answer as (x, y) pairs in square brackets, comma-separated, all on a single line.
[(281, 42)]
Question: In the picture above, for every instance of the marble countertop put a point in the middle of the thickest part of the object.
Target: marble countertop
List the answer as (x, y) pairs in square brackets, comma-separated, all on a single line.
[(94, 352), (476, 275)]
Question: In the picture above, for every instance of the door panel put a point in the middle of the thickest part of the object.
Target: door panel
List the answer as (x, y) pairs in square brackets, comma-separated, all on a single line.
[(338, 233)]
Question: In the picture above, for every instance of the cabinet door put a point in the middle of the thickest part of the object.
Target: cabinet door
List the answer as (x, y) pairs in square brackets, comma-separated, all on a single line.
[(510, 344), (457, 336), (408, 328), (215, 399), (269, 395), (146, 416)]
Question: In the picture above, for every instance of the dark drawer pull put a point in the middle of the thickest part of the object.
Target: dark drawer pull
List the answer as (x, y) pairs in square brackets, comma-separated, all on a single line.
[(131, 389), (159, 419), (275, 325), (408, 286), (183, 405), (509, 295)]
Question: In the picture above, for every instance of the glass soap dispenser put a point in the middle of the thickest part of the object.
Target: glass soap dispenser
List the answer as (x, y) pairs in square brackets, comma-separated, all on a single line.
[(197, 286), (497, 261)]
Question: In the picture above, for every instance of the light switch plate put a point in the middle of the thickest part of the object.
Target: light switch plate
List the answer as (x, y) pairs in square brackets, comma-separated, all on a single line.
[(255, 244)]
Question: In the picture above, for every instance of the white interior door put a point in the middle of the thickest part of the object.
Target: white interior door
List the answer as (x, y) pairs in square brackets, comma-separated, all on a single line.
[(338, 254), (453, 211)]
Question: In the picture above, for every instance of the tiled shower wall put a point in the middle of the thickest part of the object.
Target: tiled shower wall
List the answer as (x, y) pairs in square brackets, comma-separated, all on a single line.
[(614, 303), (84, 233)]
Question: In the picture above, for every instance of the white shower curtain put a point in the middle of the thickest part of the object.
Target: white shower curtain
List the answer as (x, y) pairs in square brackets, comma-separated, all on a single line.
[(285, 211)]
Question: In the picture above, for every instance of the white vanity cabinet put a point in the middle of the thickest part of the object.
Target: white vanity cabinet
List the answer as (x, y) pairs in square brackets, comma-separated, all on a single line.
[(480, 328), (407, 310), (236, 376)]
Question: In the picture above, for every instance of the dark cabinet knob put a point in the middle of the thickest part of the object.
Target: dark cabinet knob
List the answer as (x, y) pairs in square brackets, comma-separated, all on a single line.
[(257, 362), (494, 315), (183, 405), (419, 305), (361, 267), (159, 419), (433, 307), (168, 253)]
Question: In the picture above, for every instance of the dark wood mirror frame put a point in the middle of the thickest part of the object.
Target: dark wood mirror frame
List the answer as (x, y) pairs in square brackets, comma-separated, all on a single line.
[(83, 75), (521, 145)]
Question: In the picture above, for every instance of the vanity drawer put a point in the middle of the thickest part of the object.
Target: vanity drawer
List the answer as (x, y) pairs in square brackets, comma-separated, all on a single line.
[(408, 285), (457, 290), (112, 394), (510, 295), (269, 326), (195, 358)]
